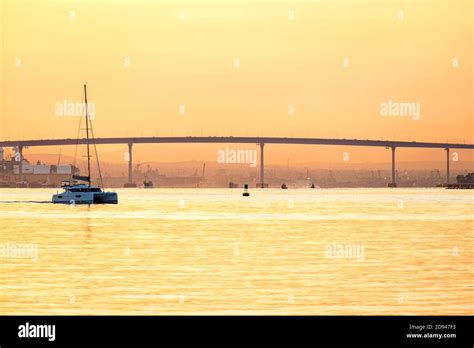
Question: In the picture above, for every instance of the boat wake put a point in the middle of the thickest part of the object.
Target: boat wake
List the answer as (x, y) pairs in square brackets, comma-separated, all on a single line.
[(1, 202)]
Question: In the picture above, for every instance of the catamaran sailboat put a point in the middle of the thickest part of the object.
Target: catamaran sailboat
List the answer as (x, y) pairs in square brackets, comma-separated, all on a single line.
[(75, 193)]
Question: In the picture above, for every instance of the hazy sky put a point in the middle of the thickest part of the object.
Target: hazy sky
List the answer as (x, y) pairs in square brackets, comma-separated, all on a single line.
[(276, 68)]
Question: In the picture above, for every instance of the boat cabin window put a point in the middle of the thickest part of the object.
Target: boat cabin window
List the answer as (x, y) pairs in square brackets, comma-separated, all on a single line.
[(85, 189)]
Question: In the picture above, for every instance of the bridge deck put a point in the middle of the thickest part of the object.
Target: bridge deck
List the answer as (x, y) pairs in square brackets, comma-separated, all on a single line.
[(237, 140)]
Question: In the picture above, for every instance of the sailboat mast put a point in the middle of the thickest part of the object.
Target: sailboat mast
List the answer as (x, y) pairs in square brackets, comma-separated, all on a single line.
[(87, 134)]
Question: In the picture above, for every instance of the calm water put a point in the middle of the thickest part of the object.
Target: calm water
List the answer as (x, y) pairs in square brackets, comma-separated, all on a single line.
[(212, 251)]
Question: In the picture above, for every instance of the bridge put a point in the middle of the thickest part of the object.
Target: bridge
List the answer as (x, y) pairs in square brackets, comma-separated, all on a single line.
[(389, 144)]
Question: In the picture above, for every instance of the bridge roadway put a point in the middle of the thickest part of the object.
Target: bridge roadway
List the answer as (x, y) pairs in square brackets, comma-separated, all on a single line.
[(392, 144)]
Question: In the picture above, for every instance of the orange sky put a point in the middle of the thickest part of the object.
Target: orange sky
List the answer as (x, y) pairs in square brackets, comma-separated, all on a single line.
[(184, 53)]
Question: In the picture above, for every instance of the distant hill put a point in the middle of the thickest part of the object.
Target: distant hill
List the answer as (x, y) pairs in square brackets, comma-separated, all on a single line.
[(170, 167)]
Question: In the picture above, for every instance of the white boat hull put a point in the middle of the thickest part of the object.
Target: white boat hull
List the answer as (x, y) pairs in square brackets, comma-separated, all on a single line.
[(69, 197)]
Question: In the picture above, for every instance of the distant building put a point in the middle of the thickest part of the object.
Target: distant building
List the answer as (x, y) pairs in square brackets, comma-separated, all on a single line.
[(33, 175)]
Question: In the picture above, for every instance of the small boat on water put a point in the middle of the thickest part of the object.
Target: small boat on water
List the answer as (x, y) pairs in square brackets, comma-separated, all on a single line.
[(147, 184), (284, 186), (76, 193)]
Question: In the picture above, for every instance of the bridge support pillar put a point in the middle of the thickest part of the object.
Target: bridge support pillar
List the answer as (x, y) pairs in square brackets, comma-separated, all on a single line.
[(262, 184), (447, 166), (393, 183), (20, 158), (130, 182)]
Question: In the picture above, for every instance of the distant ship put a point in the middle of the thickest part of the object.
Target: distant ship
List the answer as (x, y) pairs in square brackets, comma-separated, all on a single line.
[(160, 180), (462, 182), (233, 185), (284, 186), (177, 181), (75, 193)]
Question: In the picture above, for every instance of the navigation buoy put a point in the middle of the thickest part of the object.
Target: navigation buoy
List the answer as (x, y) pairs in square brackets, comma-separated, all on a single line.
[(246, 191)]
